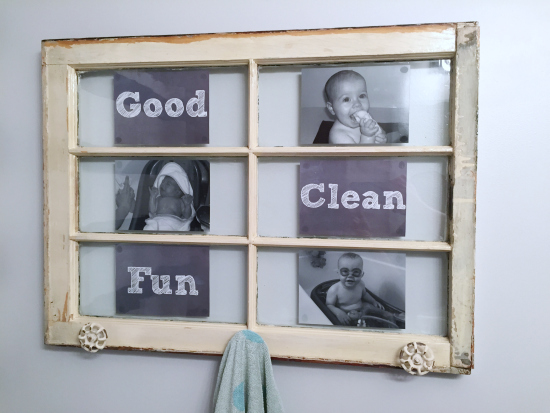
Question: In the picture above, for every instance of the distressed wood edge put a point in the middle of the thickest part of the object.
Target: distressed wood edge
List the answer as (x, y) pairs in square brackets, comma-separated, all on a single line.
[(262, 242), (356, 244), (149, 334), (355, 58), (263, 151), (45, 199), (252, 258), (464, 171), (253, 104), (159, 151), (188, 38), (58, 303), (356, 347), (159, 238), (252, 284), (436, 368), (354, 151), (252, 193), (72, 106), (71, 51), (93, 66), (369, 348), (73, 301)]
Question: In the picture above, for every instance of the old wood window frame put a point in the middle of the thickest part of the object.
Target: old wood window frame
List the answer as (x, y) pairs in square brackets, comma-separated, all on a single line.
[(62, 59)]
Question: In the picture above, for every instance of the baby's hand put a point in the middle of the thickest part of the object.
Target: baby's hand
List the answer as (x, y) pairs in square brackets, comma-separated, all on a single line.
[(380, 137), (187, 199), (354, 315), (369, 127), (154, 192), (343, 317), (378, 305), (125, 198), (371, 132)]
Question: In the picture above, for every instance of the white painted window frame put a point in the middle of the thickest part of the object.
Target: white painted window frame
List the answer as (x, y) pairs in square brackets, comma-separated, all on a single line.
[(62, 59)]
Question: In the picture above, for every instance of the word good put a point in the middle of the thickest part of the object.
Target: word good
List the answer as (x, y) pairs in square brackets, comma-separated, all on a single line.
[(157, 289), (153, 107), (350, 199)]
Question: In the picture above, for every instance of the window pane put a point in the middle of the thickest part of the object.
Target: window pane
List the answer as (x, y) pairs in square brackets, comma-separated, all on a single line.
[(115, 195), (426, 197), (227, 111), (228, 283), (409, 100), (411, 281)]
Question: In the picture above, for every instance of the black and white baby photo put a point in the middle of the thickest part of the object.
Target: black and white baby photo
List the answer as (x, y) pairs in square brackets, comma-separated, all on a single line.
[(347, 105), (162, 195), (352, 288)]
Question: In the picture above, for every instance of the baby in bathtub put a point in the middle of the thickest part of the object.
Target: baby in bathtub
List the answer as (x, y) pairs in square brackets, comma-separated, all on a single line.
[(171, 201), (348, 299), (347, 99)]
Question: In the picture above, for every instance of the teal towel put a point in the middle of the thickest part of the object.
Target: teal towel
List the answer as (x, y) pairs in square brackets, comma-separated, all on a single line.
[(245, 380)]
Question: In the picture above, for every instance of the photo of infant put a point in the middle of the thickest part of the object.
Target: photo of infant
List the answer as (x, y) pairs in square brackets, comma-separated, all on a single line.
[(162, 195), (356, 289), (366, 104)]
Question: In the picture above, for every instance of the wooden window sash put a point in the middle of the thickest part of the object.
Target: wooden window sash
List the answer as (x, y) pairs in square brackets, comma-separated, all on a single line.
[(63, 59)]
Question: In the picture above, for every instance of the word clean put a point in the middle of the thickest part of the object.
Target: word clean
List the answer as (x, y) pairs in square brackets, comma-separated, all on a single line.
[(153, 107), (349, 199), (157, 289)]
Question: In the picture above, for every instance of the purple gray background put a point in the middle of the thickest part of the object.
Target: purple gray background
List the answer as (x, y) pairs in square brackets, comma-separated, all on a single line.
[(162, 130), (359, 175), (164, 260)]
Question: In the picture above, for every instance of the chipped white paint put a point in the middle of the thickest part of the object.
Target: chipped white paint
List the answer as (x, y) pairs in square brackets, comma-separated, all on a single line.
[(266, 151), (417, 359), (463, 176), (61, 61), (371, 43), (92, 337)]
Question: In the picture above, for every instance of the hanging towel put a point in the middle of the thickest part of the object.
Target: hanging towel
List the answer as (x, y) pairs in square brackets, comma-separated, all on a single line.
[(245, 380)]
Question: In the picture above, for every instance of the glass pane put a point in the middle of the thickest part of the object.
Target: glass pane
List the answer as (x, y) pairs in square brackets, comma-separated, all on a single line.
[(426, 198), (228, 283), (409, 101), (293, 284), (227, 122), (116, 195)]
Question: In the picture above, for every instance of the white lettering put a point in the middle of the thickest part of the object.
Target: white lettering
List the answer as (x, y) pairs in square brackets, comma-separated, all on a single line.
[(136, 279), (135, 108), (333, 196), (200, 105), (182, 279), (165, 284), (179, 107), (350, 196), (157, 108), (305, 195), (153, 107), (371, 200), (350, 199), (389, 197)]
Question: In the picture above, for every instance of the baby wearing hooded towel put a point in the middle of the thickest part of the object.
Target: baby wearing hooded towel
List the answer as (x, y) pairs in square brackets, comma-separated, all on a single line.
[(171, 201)]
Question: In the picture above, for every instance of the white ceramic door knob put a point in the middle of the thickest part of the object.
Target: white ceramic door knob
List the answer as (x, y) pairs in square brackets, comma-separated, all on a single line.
[(417, 358), (92, 337)]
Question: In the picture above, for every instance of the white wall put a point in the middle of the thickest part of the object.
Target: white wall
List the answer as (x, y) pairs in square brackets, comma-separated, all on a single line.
[(512, 307)]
